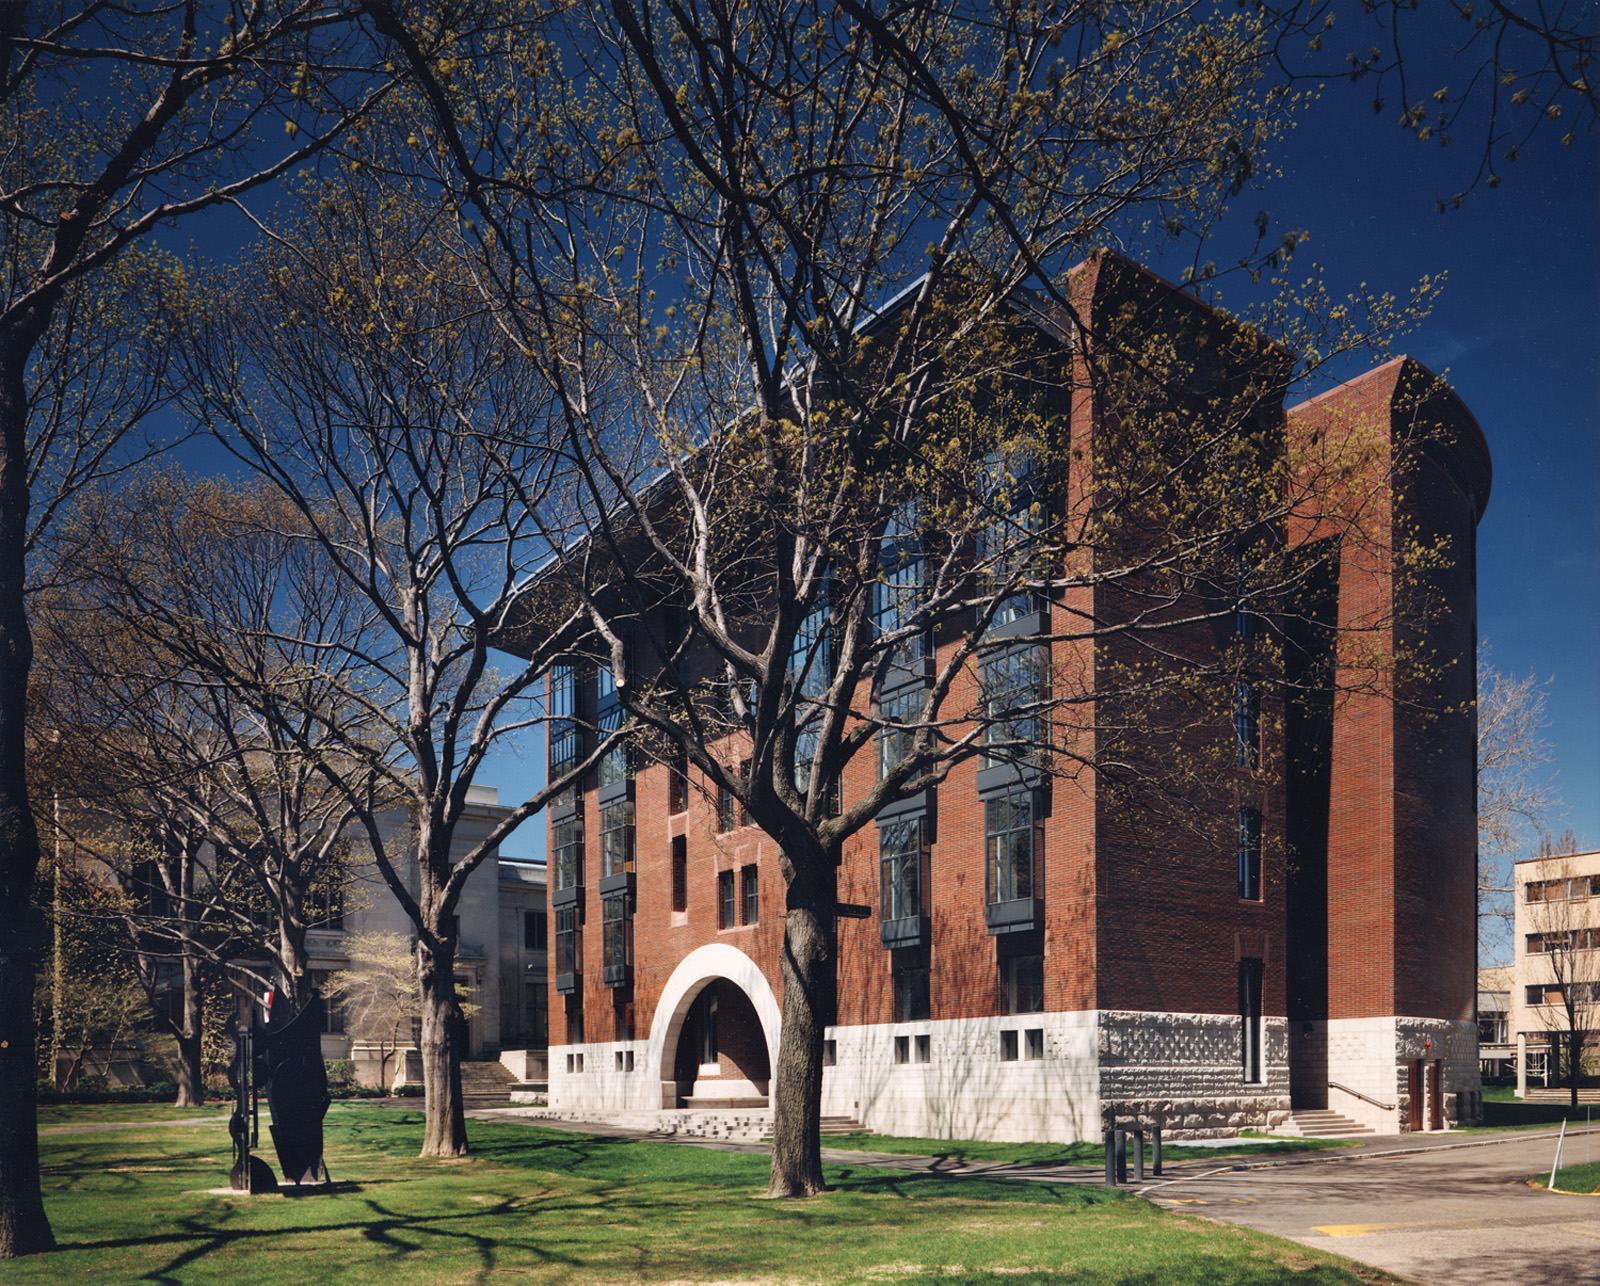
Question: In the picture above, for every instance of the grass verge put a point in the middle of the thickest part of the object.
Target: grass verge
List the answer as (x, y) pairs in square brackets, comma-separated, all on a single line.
[(550, 1206), (1086, 1154), (1578, 1178)]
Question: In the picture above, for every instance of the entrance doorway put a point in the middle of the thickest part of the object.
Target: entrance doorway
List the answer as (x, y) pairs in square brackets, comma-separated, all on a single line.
[(721, 1057)]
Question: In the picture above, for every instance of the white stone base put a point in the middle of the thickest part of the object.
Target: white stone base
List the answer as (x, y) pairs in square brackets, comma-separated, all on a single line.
[(1366, 1060)]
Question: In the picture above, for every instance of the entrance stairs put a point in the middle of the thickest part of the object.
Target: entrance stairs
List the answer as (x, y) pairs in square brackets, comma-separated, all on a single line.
[(1561, 1095), (486, 1084), (1322, 1123)]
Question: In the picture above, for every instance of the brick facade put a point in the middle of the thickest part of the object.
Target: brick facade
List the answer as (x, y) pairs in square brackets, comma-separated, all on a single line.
[(1364, 912)]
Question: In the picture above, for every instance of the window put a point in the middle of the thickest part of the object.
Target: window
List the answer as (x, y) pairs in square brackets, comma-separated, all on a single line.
[(569, 942), (1249, 852), (332, 1013), (922, 1048), (903, 855), (900, 714), (1244, 620), (1008, 1046), (899, 593), (1013, 692), (534, 930), (616, 765), (678, 780), (706, 1004), (1006, 545), (616, 942), (749, 895), (680, 873), (810, 674), (730, 810), (622, 1022), (1024, 983), (536, 1013), (1573, 940), (1250, 971), (566, 860), (1581, 886), (1033, 1040), (911, 995), (830, 1053), (1535, 994), (1015, 845), (575, 1023), (902, 1049), (726, 907), (565, 738), (1247, 725), (324, 902), (616, 838)]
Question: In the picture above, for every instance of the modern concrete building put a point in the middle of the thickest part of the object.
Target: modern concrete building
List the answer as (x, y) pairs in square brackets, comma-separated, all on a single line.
[(1557, 961), (1317, 952)]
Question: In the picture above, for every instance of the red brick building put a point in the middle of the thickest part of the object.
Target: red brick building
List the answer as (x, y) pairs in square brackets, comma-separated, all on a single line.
[(1314, 948)]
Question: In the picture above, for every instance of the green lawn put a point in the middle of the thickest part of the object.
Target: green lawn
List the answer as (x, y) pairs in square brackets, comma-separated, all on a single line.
[(1089, 1154), (56, 1114), (1577, 1178), (549, 1206)]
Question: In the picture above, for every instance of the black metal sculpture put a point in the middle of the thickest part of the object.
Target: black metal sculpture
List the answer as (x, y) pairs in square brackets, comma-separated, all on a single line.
[(250, 1173), (297, 1089)]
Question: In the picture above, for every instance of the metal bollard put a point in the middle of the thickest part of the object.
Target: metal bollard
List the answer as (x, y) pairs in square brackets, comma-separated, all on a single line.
[(1157, 1144), (1138, 1156), (1111, 1159), (1122, 1156)]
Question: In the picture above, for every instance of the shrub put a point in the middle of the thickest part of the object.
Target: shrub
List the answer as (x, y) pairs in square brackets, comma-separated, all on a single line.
[(409, 1090), (341, 1072)]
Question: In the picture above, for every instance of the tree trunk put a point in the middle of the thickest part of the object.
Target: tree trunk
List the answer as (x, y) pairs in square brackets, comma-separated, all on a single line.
[(810, 984), (188, 1068), (443, 1042), (23, 1226), (1574, 1058)]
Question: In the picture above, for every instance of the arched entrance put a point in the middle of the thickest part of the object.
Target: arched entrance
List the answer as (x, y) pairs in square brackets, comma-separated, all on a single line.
[(714, 1037)]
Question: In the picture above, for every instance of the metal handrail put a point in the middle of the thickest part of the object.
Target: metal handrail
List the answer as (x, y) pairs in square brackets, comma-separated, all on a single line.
[(1387, 1107)]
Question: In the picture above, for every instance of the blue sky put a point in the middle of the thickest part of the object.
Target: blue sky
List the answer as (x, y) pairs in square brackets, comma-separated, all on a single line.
[(1517, 333)]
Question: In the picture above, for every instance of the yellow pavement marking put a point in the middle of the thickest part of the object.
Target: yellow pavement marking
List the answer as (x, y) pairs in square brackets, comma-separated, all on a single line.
[(1360, 1229)]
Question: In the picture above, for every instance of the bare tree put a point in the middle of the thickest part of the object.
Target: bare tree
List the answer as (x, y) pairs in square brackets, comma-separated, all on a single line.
[(117, 123), (1516, 797), (378, 993), (1563, 953), (836, 487), (353, 366)]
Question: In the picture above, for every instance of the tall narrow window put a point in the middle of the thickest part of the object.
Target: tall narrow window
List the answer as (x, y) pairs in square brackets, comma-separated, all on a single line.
[(533, 931), (903, 853), (909, 977), (900, 713), (810, 674), (1250, 971), (1015, 843), (678, 780), (1249, 854), (1014, 692), (569, 942), (1023, 976), (1244, 620), (565, 737), (749, 894), (727, 906), (616, 838), (1247, 725), (616, 945), (900, 589), (680, 873), (1006, 546), (566, 858)]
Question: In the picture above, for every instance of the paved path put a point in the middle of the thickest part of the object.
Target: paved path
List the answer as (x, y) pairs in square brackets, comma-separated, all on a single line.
[(1459, 1216)]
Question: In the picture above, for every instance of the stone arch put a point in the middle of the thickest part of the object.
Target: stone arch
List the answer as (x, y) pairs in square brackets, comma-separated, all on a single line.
[(716, 962)]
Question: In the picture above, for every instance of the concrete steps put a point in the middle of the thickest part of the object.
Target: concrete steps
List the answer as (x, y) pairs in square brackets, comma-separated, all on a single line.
[(1323, 1123), (486, 1084), (1560, 1095)]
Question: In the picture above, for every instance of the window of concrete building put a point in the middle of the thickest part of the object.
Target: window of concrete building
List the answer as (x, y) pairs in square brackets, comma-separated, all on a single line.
[(830, 1053), (324, 902), (616, 838), (902, 861), (1250, 1028), (1249, 854), (1015, 843), (1247, 725), (566, 854), (909, 976), (902, 1049), (1033, 1043), (1008, 1046), (680, 873), (333, 1012), (727, 904), (922, 1048), (749, 895), (534, 930)]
